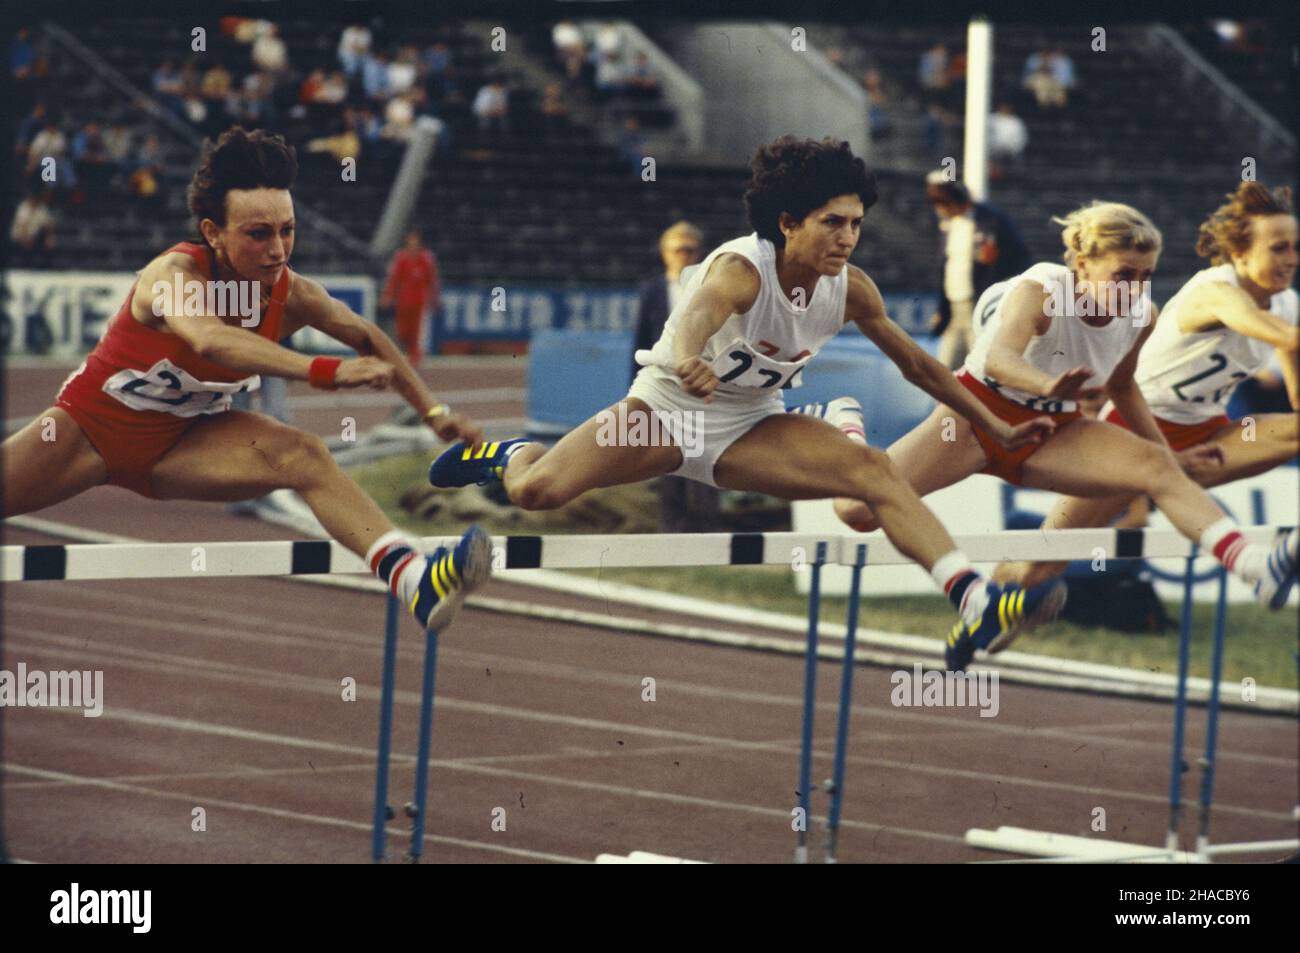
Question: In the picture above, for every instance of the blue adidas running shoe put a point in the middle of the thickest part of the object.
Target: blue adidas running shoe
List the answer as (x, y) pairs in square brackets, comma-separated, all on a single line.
[(448, 576), (1009, 612), (461, 465)]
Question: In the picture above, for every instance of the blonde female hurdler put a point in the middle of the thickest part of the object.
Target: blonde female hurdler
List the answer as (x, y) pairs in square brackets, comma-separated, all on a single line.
[(1047, 338), (1218, 330), (749, 320)]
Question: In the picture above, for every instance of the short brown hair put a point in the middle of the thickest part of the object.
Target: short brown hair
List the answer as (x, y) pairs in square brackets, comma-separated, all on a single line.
[(1227, 230), (239, 159)]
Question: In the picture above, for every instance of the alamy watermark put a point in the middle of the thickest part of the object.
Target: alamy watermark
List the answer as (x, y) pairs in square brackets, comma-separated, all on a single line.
[(218, 298), (934, 689), (57, 689), (683, 429), (1123, 298)]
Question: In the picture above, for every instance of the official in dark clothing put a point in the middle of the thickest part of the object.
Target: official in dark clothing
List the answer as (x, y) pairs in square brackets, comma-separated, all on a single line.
[(982, 246), (684, 505)]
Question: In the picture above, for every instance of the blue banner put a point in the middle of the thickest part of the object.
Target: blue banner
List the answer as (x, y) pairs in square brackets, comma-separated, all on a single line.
[(503, 314)]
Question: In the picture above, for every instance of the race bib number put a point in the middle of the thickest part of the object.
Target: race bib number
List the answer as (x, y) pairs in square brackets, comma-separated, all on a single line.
[(1043, 405), (174, 390), (740, 365)]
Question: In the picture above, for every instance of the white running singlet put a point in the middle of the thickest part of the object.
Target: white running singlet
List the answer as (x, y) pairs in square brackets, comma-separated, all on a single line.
[(1189, 378), (765, 349), (1068, 342)]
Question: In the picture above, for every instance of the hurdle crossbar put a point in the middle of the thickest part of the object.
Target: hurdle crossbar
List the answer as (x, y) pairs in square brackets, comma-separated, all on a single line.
[(84, 561)]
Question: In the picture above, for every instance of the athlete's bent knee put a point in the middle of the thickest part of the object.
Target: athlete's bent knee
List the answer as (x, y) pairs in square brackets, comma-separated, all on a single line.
[(536, 491)]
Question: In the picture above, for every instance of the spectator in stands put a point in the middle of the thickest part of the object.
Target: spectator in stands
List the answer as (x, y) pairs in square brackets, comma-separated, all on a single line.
[(216, 83), (117, 143), (168, 87), (92, 158), (270, 54), (981, 246), (26, 69), (641, 82), (32, 123), (51, 143), (375, 76), (1049, 76), (609, 39), (148, 169), (935, 130), (933, 69), (414, 288), (22, 55), (1008, 137), (610, 76), (436, 59), (491, 106), (404, 70), (570, 47), (32, 232), (345, 144), (684, 505), (256, 108), (399, 120), (311, 87), (194, 109), (878, 117), (354, 49), (554, 112), (632, 144)]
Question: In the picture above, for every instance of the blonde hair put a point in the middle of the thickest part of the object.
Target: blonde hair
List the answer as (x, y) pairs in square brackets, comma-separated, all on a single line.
[(1103, 227), (680, 228), (1228, 230)]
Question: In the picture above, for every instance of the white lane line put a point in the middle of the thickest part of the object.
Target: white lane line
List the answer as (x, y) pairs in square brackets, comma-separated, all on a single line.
[(283, 814), (727, 746)]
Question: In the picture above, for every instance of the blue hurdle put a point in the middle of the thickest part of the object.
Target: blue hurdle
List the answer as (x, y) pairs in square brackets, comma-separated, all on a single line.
[(809, 703), (1180, 707), (384, 813), (846, 703)]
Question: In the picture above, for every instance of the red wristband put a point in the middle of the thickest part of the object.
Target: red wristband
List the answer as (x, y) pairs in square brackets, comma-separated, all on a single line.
[(322, 371)]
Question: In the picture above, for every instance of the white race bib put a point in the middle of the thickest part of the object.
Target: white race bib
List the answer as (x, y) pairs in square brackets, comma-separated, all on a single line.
[(173, 390), (740, 365)]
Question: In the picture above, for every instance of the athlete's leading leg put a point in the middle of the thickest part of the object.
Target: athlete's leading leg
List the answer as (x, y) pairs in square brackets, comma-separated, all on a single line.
[(938, 452), (237, 455), (1081, 460), (1249, 447), (48, 461), (799, 457)]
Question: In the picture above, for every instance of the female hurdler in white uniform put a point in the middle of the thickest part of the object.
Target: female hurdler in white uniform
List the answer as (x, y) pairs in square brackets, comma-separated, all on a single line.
[(1219, 329), (748, 322), (1048, 338)]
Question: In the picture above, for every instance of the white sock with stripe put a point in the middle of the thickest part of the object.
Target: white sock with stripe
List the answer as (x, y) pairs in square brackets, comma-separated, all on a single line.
[(395, 558)]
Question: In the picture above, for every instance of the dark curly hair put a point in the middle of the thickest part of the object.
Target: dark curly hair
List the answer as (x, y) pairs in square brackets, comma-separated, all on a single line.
[(1227, 230), (239, 159), (798, 176)]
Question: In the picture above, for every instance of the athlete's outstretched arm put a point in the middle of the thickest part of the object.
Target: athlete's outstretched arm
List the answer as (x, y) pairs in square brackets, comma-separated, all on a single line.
[(730, 287), (312, 305), (866, 309), (1123, 390), (238, 348), (1218, 303)]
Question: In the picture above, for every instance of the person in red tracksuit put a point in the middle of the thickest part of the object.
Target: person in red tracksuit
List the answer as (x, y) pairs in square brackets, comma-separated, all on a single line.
[(413, 285), (149, 409)]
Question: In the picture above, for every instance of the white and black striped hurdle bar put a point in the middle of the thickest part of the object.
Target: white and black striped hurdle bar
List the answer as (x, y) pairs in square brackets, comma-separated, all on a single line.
[(86, 561)]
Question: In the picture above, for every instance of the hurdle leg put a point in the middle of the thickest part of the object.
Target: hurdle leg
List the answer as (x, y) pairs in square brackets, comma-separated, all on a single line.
[(846, 705), (809, 700), (1180, 707), (383, 813), (1212, 720), (416, 809)]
